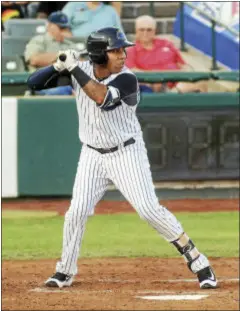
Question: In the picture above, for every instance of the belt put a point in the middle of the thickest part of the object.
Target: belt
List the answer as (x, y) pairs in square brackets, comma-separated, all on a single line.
[(113, 149)]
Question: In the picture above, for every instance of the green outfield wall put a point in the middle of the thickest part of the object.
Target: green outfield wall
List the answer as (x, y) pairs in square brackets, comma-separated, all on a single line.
[(188, 137)]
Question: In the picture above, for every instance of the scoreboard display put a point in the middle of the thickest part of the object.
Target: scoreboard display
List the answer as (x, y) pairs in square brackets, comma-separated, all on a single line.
[(193, 144)]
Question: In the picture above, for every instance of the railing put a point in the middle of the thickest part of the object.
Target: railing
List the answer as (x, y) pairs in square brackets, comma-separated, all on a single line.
[(150, 77), (214, 23)]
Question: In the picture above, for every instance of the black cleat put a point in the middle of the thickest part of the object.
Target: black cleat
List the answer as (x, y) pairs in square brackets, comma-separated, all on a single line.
[(59, 280), (207, 278)]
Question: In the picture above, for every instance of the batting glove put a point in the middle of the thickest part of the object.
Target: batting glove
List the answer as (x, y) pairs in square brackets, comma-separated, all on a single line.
[(71, 60), (58, 65)]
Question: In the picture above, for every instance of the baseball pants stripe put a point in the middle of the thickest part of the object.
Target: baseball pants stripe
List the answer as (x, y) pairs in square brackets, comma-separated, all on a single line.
[(89, 187)]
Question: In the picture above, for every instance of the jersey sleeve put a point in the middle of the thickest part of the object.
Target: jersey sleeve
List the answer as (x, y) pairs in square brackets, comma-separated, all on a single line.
[(123, 89), (47, 77)]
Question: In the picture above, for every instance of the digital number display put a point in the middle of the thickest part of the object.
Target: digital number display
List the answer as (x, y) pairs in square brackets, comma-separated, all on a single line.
[(202, 144), (229, 145), (200, 153), (157, 144)]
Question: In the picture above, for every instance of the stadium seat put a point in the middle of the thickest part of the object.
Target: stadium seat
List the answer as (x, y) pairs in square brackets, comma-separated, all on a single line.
[(25, 27), (12, 46), (12, 64)]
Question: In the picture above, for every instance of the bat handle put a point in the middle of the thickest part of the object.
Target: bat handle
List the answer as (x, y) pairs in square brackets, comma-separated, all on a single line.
[(62, 57)]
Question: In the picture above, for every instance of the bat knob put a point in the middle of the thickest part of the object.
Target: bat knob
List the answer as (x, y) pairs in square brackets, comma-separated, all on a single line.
[(62, 57)]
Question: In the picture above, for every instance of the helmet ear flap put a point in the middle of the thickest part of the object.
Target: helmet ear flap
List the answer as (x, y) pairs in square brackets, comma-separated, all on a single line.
[(100, 58)]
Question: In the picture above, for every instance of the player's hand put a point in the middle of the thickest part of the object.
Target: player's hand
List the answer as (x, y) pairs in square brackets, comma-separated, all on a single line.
[(58, 65), (71, 60)]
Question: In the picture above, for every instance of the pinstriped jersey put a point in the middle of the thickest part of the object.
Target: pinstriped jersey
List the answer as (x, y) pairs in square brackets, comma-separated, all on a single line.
[(117, 122)]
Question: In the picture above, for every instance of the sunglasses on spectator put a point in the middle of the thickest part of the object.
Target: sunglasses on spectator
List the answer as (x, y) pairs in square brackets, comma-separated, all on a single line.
[(145, 29)]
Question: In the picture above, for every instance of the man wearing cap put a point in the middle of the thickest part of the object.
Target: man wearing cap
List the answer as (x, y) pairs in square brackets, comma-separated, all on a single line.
[(87, 16), (42, 49)]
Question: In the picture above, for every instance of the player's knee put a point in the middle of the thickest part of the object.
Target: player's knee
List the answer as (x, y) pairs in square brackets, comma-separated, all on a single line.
[(144, 215), (146, 210), (75, 215), (152, 211)]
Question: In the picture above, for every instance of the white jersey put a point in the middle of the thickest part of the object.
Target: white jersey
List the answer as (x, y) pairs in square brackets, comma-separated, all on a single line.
[(108, 128)]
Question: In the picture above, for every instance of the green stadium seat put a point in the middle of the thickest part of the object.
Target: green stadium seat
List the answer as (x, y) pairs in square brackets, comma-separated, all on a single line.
[(12, 64), (13, 45), (28, 27)]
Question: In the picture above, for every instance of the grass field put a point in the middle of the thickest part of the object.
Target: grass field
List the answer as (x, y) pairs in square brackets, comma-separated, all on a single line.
[(35, 235)]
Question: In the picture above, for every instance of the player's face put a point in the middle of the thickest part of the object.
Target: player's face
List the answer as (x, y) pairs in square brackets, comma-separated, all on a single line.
[(116, 60)]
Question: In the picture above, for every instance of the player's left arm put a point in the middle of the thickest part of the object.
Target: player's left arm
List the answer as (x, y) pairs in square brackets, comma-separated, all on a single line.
[(123, 89)]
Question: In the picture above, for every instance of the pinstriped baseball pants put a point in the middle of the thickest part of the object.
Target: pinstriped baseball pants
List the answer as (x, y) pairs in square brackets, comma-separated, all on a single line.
[(129, 170)]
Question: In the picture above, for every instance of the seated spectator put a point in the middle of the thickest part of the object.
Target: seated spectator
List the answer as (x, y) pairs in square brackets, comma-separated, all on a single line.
[(116, 4), (18, 9), (86, 17), (156, 54), (48, 7), (65, 90), (42, 49), (11, 10)]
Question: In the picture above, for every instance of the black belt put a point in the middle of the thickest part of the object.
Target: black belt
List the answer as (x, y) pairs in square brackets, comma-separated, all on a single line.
[(113, 149)]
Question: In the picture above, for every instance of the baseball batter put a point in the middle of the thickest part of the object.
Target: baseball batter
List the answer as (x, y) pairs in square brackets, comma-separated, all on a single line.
[(113, 150)]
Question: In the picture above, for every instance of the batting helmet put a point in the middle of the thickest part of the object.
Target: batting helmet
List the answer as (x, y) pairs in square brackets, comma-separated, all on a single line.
[(104, 40)]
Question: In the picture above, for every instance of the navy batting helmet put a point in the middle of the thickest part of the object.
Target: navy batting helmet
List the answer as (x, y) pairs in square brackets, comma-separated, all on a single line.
[(103, 40)]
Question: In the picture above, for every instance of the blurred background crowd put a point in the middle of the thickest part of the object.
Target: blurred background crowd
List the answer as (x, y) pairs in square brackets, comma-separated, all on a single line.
[(33, 32)]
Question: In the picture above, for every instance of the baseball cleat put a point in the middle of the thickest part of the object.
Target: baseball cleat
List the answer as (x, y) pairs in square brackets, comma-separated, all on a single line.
[(207, 278), (59, 280)]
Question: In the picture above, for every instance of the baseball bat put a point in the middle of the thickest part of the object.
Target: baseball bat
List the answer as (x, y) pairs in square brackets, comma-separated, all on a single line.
[(62, 57)]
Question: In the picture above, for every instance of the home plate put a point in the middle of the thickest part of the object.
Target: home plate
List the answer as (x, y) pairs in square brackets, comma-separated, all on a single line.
[(174, 297)]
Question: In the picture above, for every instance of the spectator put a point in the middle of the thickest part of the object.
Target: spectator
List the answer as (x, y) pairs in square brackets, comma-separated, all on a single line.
[(85, 17), (63, 90), (48, 7), (117, 6), (11, 10), (42, 49), (156, 54), (18, 9)]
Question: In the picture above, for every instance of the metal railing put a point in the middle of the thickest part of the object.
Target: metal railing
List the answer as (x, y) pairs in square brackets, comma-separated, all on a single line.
[(214, 23)]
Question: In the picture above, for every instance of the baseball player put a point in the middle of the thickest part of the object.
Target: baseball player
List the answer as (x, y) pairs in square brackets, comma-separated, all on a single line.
[(113, 150)]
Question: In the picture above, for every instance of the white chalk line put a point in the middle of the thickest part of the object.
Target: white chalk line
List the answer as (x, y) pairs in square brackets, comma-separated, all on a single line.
[(194, 280), (178, 292), (47, 290), (173, 292), (164, 281)]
